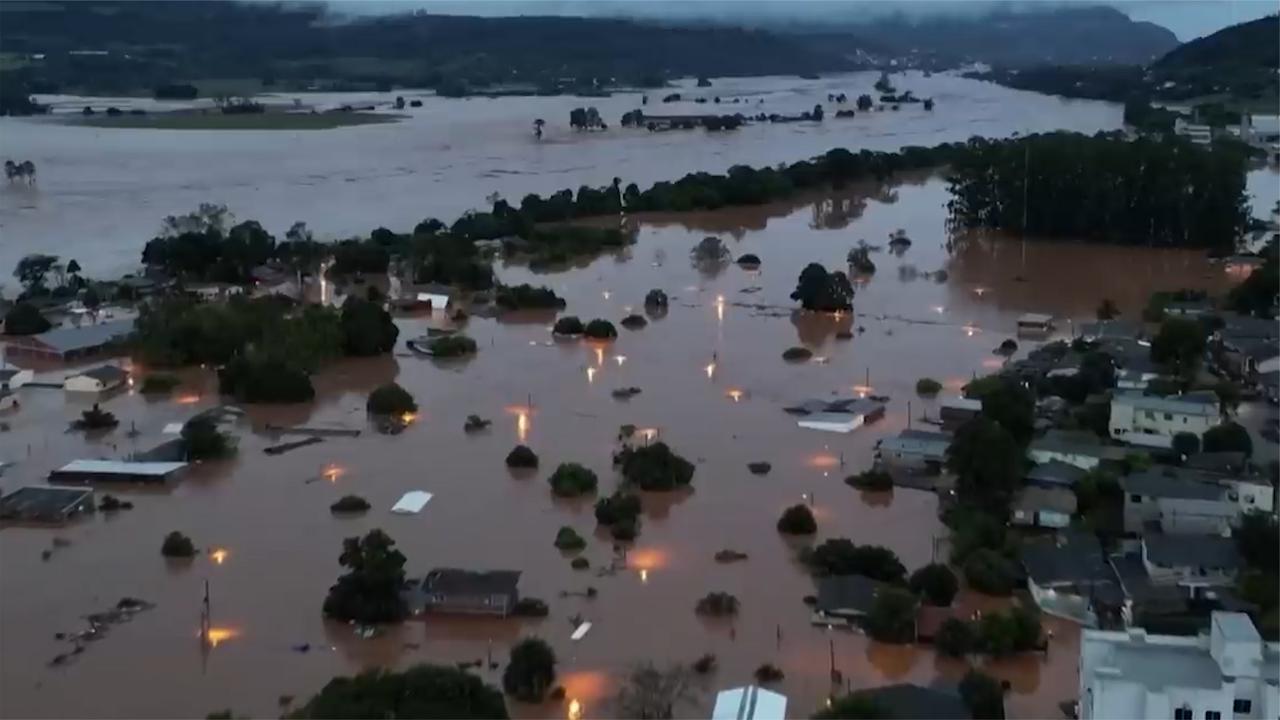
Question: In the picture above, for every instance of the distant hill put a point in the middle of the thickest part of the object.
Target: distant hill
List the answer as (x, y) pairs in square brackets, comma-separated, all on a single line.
[(1239, 61)]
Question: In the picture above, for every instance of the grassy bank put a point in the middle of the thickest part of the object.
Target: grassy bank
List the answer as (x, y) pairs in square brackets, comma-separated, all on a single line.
[(218, 121)]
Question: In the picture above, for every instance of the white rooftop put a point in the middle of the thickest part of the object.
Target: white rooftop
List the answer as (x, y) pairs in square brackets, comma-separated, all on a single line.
[(121, 467), (749, 703)]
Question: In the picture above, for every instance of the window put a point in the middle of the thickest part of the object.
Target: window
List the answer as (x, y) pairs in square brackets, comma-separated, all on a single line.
[(1184, 421), (1212, 715), (1242, 706), (1136, 498), (1183, 713), (1168, 416), (1248, 500)]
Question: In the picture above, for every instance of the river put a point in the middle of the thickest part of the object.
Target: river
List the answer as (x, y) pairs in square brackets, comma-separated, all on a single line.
[(712, 380)]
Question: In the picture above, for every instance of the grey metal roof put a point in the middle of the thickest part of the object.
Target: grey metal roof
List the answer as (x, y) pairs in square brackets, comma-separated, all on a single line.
[(1138, 587), (1107, 329), (1205, 404), (1240, 327), (1222, 463), (912, 702), (918, 441), (7, 374), (1071, 557), (1055, 472), (106, 374), (118, 467), (471, 582), (71, 339), (1165, 482), (1034, 498), (847, 593), (1201, 551), (1077, 443)]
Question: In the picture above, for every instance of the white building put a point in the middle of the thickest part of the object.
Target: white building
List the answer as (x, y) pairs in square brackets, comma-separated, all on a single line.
[(99, 379), (1231, 674), (749, 703), (1074, 447), (1153, 421), (14, 378), (1179, 503), (1195, 132)]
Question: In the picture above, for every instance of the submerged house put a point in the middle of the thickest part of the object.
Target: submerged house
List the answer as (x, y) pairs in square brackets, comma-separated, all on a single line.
[(72, 343), (914, 449), (844, 599), (1073, 447), (36, 503), (97, 380), (956, 411), (465, 592), (1040, 506)]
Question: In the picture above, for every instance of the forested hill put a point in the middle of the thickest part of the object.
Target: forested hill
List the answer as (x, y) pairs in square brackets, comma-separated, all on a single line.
[(110, 45), (1251, 45)]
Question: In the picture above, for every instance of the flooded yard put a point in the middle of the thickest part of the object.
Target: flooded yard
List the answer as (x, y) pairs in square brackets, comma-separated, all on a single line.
[(713, 387)]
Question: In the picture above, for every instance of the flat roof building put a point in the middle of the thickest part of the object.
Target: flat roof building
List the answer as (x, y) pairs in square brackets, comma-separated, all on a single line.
[(92, 471), (36, 503), (69, 343)]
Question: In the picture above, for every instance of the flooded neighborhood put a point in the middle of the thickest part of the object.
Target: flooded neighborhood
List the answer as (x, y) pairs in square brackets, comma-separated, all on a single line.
[(730, 371)]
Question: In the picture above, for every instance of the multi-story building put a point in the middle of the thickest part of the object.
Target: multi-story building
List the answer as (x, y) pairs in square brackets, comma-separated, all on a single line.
[(1152, 421), (1229, 674)]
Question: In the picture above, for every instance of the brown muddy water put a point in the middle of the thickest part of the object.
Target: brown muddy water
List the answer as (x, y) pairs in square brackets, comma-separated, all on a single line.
[(713, 387)]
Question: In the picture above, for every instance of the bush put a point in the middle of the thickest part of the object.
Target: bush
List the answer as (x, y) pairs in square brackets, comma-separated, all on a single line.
[(983, 695), (568, 539), (420, 691), (840, 556), (928, 387), (1000, 633), (634, 322), (935, 583), (705, 664), (349, 504), (874, 480), (159, 383), (251, 379), (530, 670), (599, 329), (654, 467), (370, 592), (95, 418), (797, 520), (568, 325), (759, 468), (796, 354), (530, 607), (625, 529), (620, 506), (1228, 437), (521, 456), (367, 329), (475, 423), (655, 299), (571, 480), (989, 572), (202, 440), (390, 399), (24, 319), (451, 346), (1008, 347), (177, 545), (768, 673), (527, 297), (892, 618), (717, 604), (579, 563), (749, 260), (955, 638)]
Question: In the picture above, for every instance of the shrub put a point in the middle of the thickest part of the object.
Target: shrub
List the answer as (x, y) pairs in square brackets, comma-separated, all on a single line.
[(955, 638), (349, 504), (599, 329), (989, 572), (728, 555), (983, 695), (759, 468), (655, 298), (569, 539), (530, 607), (177, 545), (571, 480), (840, 556), (1228, 437), (634, 322), (530, 670), (797, 520), (717, 604), (527, 297), (95, 418), (579, 563), (1008, 347), (568, 325), (935, 583), (705, 664), (928, 387), (111, 503), (768, 673), (521, 456), (625, 529), (475, 423), (159, 383), (796, 354), (390, 399), (876, 480), (202, 440), (654, 467), (617, 507), (451, 346), (892, 618), (748, 260)]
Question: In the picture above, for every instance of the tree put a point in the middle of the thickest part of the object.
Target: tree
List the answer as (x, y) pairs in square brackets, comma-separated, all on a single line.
[(24, 319), (928, 387), (865, 103), (31, 271), (95, 418), (258, 379), (854, 706), (349, 504), (797, 520), (390, 399), (73, 267), (1107, 310), (988, 464), (530, 670), (1228, 395), (1228, 437), (370, 591), (892, 618), (1258, 539), (955, 638), (654, 467), (872, 480), (1179, 345), (571, 480), (202, 440), (1013, 406), (709, 250), (1186, 444), (653, 693), (521, 456), (568, 539), (840, 556), (538, 124), (621, 506), (451, 346), (177, 545), (599, 329), (91, 299), (568, 325), (989, 572), (717, 604), (983, 695), (436, 692), (935, 583), (367, 329), (816, 289)]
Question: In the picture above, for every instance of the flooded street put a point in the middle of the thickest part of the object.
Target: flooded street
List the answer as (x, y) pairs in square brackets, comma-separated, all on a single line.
[(713, 385), (102, 192)]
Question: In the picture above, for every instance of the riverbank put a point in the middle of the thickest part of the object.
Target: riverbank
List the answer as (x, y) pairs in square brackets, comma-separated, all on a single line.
[(194, 120)]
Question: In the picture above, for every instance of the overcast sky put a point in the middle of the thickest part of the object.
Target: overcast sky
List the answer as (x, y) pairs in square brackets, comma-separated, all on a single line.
[(1188, 19)]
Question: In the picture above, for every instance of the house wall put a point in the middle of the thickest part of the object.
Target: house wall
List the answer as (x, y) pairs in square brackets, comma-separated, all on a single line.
[(1252, 496), (1155, 429), (1192, 579), (497, 604), (18, 380)]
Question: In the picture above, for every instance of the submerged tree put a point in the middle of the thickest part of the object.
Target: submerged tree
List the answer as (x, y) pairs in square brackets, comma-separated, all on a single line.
[(530, 670), (819, 290), (651, 693), (370, 591)]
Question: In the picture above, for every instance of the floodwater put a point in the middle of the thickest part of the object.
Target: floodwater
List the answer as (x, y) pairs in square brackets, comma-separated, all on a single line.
[(713, 385), (102, 192)]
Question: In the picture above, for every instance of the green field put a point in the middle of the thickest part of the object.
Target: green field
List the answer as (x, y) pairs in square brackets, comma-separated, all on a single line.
[(218, 121)]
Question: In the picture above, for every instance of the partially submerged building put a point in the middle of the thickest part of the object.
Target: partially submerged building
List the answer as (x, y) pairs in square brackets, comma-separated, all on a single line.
[(80, 472), (844, 600), (465, 592), (37, 503), (1041, 506), (103, 378), (1074, 447), (1196, 564), (72, 343), (914, 449)]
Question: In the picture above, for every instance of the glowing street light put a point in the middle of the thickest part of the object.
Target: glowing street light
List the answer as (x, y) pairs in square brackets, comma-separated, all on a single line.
[(734, 394), (591, 375), (575, 709), (711, 370), (619, 359), (218, 556)]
